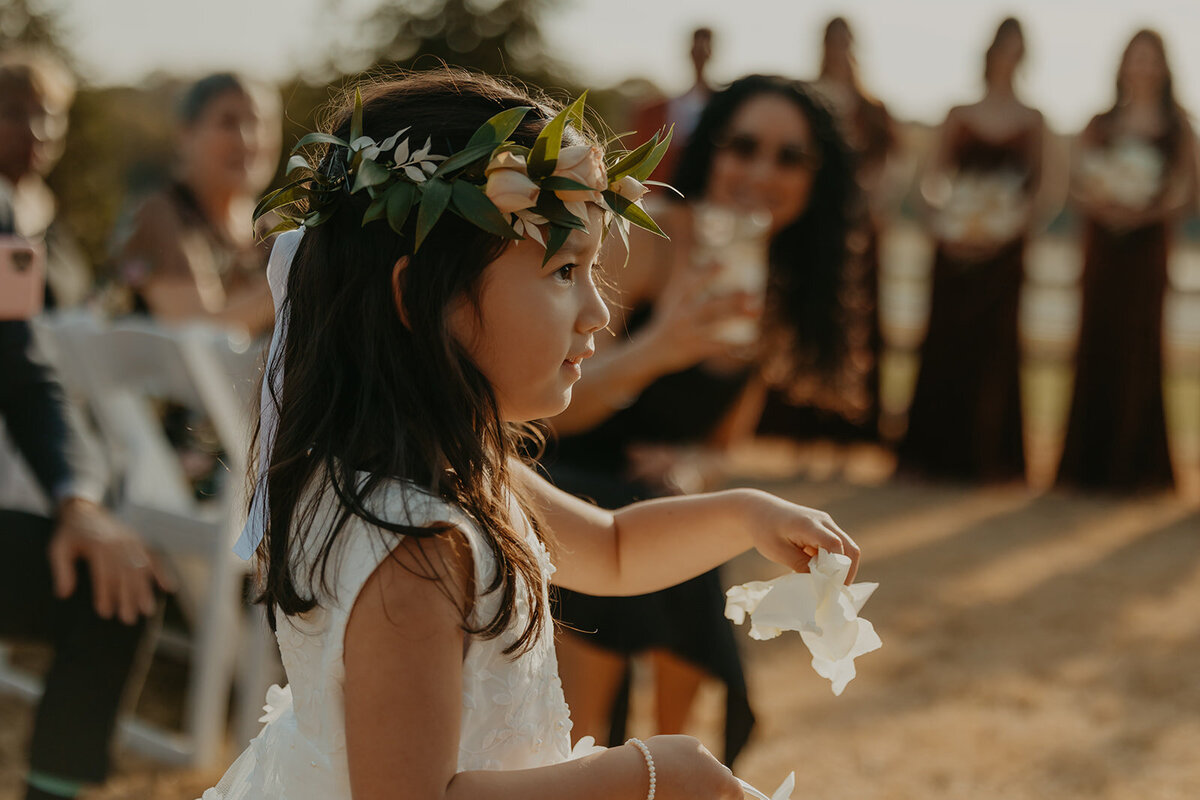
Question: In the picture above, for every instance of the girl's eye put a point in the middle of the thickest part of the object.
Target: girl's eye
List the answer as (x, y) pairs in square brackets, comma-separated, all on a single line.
[(566, 273)]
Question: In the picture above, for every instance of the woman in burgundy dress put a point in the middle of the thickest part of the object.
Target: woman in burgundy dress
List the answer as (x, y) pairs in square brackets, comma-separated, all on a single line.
[(1136, 172), (965, 417), (869, 132)]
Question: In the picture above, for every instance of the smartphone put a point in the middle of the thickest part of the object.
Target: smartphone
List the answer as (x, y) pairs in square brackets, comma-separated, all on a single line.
[(22, 277)]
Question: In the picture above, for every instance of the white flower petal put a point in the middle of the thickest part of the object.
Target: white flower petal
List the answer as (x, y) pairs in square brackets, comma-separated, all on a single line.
[(819, 606), (750, 791), (534, 233), (390, 142), (585, 747), (401, 156), (784, 792), (415, 174), (421, 154), (742, 600), (579, 209), (279, 700)]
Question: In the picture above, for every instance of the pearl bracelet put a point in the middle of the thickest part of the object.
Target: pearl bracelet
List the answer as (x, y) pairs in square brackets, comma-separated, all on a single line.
[(640, 745)]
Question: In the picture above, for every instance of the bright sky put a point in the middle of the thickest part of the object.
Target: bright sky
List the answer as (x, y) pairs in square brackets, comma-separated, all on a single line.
[(918, 56)]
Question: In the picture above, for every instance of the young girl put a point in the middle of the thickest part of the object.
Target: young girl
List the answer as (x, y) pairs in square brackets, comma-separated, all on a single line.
[(407, 550)]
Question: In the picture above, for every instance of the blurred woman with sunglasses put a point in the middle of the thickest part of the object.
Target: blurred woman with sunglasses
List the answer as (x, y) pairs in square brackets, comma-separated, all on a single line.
[(965, 418), (671, 380), (1136, 172)]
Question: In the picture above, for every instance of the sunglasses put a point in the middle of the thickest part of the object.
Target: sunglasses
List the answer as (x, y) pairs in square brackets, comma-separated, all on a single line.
[(747, 148)]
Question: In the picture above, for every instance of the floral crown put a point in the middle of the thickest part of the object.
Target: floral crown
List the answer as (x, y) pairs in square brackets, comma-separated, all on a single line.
[(493, 183)]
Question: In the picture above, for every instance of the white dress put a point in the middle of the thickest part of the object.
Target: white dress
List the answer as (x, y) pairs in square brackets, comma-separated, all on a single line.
[(514, 715)]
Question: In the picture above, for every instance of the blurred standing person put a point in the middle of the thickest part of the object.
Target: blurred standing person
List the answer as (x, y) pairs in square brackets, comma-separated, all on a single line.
[(672, 383), (1136, 173), (190, 253), (681, 111), (869, 132), (965, 419), (36, 92)]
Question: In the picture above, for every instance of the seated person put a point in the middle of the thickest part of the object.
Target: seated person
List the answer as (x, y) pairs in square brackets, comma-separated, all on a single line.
[(92, 613)]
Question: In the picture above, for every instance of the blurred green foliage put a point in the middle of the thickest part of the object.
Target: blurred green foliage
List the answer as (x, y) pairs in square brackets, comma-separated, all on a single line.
[(121, 139)]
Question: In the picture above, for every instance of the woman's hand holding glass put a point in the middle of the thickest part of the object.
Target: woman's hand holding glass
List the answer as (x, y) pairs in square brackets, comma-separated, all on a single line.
[(689, 321)]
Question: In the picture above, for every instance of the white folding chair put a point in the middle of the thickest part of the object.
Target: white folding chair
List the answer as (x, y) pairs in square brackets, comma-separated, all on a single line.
[(121, 370)]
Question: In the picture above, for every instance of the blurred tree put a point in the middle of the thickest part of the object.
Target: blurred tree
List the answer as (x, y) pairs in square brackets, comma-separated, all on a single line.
[(500, 37), (34, 24)]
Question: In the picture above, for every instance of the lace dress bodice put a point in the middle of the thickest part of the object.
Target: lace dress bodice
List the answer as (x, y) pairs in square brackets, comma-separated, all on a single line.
[(514, 715)]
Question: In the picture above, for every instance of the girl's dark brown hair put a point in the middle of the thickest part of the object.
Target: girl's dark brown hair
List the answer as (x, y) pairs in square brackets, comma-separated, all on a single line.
[(371, 395)]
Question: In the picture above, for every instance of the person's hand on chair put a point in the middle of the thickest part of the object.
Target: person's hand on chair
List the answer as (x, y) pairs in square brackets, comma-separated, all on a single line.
[(123, 571)]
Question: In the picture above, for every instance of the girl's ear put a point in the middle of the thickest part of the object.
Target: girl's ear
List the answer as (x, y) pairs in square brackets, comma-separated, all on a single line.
[(397, 282)]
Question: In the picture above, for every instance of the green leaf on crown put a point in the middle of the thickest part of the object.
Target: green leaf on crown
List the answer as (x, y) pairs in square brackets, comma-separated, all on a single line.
[(282, 226), (543, 158), (435, 196), (628, 162), (473, 205), (632, 212), (555, 238), (640, 163), (644, 169), (377, 208), (399, 202), (284, 195), (561, 184), (556, 213), (356, 122), (512, 147), (297, 162), (317, 217), (369, 174), (499, 127), (317, 137), (464, 157)]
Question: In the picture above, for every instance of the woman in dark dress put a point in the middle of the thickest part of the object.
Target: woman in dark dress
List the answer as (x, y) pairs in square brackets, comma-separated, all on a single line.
[(1117, 432), (670, 382), (965, 418), (869, 132)]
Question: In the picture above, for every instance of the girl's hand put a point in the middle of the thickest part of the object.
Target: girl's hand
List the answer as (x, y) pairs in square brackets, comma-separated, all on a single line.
[(790, 535), (687, 771)]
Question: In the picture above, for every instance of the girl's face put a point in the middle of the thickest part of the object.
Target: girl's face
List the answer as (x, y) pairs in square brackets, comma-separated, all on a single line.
[(224, 144), (766, 160), (532, 325), (1143, 72)]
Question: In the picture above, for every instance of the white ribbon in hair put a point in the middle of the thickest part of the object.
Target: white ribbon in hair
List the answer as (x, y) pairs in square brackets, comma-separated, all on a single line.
[(278, 267)]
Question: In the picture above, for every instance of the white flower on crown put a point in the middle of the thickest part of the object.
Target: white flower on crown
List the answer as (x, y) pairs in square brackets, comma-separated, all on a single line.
[(583, 164), (417, 165), (508, 184)]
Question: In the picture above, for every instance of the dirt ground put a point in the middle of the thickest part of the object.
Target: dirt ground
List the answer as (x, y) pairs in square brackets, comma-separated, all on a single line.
[(1035, 646)]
